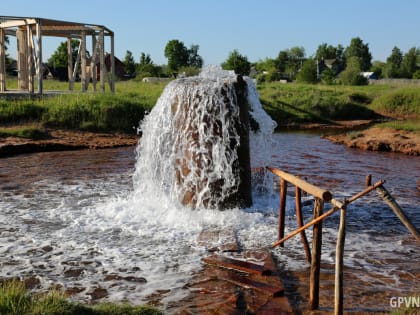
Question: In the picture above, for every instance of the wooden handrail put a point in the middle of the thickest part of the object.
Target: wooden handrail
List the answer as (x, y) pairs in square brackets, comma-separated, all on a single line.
[(302, 184), (337, 206)]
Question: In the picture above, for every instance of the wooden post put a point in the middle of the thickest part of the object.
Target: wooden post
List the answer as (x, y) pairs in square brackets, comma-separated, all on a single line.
[(316, 257), (39, 59), (102, 60), (30, 59), (282, 209), (70, 64), (83, 61), (112, 64), (299, 218), (93, 71), (390, 201), (339, 264), (2, 60), (22, 61)]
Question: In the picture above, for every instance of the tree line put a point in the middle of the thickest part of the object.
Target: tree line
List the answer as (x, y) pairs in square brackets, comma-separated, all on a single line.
[(329, 65)]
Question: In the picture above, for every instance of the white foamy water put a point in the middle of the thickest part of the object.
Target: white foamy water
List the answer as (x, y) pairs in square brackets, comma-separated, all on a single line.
[(106, 219)]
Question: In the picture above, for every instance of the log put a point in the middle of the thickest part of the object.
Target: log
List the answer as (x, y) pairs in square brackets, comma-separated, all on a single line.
[(339, 265), (247, 283), (282, 209), (304, 185), (299, 218), (390, 201), (316, 257)]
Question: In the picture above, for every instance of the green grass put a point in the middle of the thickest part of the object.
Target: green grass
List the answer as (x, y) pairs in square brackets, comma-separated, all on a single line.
[(286, 103), (407, 125), (404, 101), (98, 111), (33, 131), (15, 300), (302, 103)]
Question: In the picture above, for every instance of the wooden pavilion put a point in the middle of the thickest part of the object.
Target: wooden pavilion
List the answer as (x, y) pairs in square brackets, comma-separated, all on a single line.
[(29, 32)]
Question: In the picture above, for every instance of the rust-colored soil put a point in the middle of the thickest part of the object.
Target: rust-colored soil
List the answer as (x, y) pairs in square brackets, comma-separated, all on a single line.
[(380, 139), (58, 140)]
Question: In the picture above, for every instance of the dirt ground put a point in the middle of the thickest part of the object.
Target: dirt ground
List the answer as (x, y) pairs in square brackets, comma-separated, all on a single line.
[(380, 139), (372, 139), (60, 140)]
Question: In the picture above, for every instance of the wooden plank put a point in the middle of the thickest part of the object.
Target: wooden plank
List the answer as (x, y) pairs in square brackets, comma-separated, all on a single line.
[(235, 264), (304, 185), (339, 265), (248, 283)]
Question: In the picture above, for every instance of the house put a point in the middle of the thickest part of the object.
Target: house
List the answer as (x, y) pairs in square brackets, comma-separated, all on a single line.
[(369, 75), (119, 67)]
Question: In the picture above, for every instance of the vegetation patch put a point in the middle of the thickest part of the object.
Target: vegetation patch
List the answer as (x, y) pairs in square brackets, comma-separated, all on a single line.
[(404, 101), (15, 300)]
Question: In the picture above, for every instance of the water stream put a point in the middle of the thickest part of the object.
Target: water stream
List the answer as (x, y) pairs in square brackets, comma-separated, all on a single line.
[(105, 220)]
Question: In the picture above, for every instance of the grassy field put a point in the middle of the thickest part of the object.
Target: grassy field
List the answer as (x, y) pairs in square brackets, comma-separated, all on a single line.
[(15, 300), (287, 104)]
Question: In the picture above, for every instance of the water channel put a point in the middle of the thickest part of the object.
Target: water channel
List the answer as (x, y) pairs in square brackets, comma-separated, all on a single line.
[(73, 219)]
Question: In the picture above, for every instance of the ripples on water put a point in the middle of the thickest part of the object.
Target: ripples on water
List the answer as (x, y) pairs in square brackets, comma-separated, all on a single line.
[(69, 218)]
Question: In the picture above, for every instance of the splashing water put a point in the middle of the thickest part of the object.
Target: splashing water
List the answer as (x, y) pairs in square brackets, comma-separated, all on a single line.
[(190, 139)]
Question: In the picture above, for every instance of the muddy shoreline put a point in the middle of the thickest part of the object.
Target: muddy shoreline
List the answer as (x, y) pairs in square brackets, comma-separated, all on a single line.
[(357, 134)]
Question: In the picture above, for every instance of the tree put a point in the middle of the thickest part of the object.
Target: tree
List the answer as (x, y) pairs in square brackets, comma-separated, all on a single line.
[(238, 63), (360, 50), (281, 61), (326, 51), (295, 60), (393, 63), (59, 57), (129, 63), (194, 59), (177, 55), (267, 71), (146, 68), (180, 57), (409, 63), (351, 75), (308, 72)]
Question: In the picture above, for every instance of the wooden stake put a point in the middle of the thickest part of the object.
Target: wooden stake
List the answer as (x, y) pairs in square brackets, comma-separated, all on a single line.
[(390, 201), (316, 257), (282, 209), (299, 218), (339, 265)]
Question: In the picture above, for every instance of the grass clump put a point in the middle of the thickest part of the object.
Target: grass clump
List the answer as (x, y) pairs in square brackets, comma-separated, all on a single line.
[(15, 300), (34, 132), (404, 101), (407, 125)]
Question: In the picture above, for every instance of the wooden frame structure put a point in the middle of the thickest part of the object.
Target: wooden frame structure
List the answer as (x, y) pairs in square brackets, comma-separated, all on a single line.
[(29, 32)]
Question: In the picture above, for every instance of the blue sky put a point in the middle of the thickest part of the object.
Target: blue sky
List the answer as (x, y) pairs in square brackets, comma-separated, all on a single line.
[(256, 28)]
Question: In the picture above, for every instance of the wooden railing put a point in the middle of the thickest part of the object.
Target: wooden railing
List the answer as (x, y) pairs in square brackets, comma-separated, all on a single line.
[(322, 196)]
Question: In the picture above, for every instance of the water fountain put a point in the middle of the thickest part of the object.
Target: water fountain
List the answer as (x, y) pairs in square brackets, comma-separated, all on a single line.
[(196, 141)]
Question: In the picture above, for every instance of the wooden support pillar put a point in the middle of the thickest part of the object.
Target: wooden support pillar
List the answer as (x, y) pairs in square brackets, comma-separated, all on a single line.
[(70, 64), (83, 61), (102, 61), (390, 201), (282, 209), (22, 46), (316, 257), (112, 64), (39, 59), (2, 60), (339, 265), (30, 60), (93, 68), (299, 218)]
